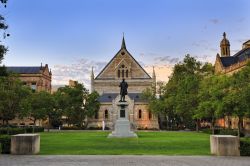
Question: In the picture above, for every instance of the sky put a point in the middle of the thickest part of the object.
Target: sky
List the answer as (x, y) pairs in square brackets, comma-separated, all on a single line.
[(72, 36)]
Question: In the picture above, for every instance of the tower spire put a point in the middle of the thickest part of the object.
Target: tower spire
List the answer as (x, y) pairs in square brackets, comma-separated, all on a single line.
[(123, 42), (92, 77), (225, 46)]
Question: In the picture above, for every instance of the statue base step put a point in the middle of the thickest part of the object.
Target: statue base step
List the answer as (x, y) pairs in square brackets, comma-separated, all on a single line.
[(122, 130)]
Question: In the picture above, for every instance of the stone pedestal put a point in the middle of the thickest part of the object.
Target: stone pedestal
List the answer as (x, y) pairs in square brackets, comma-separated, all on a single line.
[(224, 145), (25, 144), (122, 124)]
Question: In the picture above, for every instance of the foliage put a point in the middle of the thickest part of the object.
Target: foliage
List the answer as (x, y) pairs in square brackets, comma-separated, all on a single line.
[(76, 104), (3, 49), (12, 96), (211, 93), (38, 106), (5, 141), (14, 131), (245, 147)]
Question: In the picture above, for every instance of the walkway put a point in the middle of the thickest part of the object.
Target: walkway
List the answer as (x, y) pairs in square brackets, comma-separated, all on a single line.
[(124, 160)]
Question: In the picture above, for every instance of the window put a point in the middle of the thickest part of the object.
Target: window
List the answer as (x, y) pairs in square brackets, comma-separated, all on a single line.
[(33, 86), (106, 114), (127, 73), (149, 115), (140, 114), (119, 74), (122, 73), (96, 115)]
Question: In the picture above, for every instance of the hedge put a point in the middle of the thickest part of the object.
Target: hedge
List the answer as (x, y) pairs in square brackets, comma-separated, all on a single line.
[(14, 131), (5, 144), (245, 147)]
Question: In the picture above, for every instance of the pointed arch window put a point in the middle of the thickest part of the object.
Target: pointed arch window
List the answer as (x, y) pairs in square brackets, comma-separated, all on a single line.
[(127, 73), (139, 114), (119, 73), (106, 114), (122, 73)]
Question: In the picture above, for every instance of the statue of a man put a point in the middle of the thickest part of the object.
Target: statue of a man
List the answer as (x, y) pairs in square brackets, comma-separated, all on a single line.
[(123, 89)]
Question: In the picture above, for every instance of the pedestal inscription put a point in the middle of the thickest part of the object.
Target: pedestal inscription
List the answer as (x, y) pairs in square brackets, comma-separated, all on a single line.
[(122, 124)]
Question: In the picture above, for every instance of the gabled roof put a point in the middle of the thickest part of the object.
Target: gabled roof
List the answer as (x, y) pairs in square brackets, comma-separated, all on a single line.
[(123, 47), (238, 57), (25, 69), (108, 97)]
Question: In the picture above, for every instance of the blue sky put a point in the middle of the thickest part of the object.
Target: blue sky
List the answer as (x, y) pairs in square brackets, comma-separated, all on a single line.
[(71, 36)]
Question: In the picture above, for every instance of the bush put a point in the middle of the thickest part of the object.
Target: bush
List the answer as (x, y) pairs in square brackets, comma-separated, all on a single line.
[(230, 132), (71, 128), (209, 131), (12, 131), (5, 143), (36, 129), (245, 147)]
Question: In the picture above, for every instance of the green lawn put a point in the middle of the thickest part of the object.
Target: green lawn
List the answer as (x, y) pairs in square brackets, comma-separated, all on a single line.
[(148, 143)]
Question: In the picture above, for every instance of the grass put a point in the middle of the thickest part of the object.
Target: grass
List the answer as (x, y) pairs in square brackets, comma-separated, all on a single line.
[(148, 143)]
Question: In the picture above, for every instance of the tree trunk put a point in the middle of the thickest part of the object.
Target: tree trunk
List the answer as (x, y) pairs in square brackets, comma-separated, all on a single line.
[(33, 129), (212, 126), (197, 125), (48, 123), (240, 126)]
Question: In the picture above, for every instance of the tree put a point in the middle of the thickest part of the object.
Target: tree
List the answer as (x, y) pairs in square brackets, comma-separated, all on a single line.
[(12, 95), (3, 49), (39, 106), (76, 104), (211, 93), (236, 101)]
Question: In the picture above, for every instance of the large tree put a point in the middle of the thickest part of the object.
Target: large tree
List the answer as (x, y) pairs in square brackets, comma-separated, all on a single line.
[(76, 104), (12, 96), (236, 102)]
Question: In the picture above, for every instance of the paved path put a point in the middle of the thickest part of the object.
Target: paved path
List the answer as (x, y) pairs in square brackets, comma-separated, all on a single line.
[(125, 160)]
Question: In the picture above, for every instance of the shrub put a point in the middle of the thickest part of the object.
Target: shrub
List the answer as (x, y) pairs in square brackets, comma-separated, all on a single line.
[(5, 143), (245, 147), (209, 131), (230, 132), (12, 131), (71, 128), (36, 129)]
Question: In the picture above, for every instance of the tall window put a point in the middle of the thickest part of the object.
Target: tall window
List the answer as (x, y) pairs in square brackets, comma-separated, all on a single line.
[(96, 115), (149, 115), (119, 74), (140, 114), (106, 114), (122, 72)]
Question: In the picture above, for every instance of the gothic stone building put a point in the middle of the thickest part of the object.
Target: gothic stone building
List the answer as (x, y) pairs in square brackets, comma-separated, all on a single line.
[(37, 77), (106, 83), (227, 64)]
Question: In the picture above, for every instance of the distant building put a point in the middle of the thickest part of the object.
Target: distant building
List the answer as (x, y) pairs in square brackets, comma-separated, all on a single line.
[(72, 83), (106, 83), (37, 77), (227, 64)]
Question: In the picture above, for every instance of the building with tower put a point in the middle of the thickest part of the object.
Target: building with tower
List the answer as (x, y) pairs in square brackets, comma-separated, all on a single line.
[(106, 83), (227, 64)]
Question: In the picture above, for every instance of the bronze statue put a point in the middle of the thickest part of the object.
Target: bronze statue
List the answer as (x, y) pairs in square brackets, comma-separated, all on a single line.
[(123, 89)]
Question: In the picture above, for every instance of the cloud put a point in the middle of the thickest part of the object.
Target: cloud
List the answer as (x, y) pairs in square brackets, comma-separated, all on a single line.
[(166, 59), (79, 71), (214, 21)]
